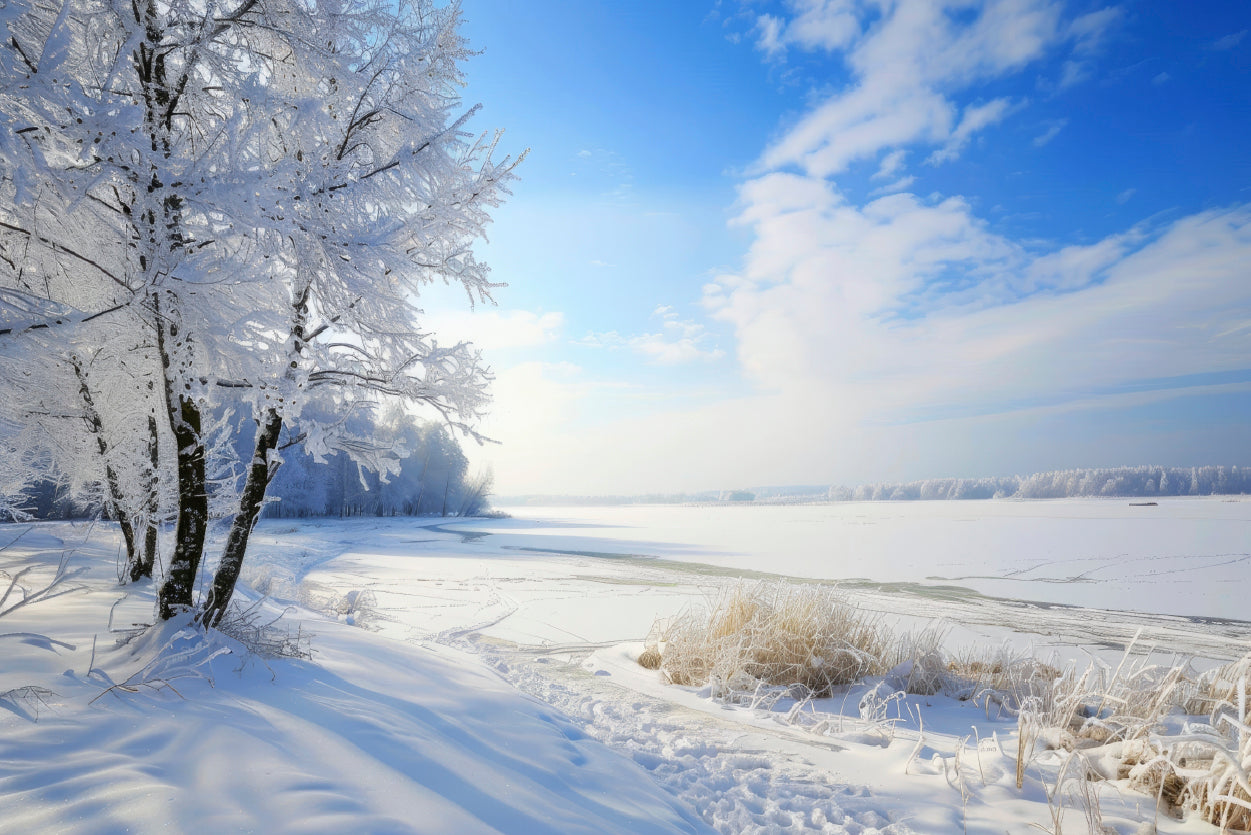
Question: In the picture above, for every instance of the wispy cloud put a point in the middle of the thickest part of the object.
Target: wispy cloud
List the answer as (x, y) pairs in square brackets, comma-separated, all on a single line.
[(891, 165), (1087, 34), (816, 24), (1229, 41), (1053, 130), (680, 340), (607, 168), (907, 69), (892, 188), (975, 118), (913, 65)]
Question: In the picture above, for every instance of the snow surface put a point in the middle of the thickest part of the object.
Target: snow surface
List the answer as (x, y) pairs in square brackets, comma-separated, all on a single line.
[(478, 675), (1184, 557)]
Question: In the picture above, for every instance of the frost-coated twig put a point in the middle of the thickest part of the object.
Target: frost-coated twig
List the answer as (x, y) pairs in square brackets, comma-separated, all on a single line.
[(50, 589), (31, 697)]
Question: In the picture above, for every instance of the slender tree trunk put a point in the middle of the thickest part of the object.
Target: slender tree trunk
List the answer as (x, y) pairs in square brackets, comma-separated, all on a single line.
[(259, 474), (421, 491), (191, 527), (143, 566), (116, 503), (146, 562)]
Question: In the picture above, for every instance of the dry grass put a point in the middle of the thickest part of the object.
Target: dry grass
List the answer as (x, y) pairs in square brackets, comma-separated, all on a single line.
[(1001, 680), (801, 636), (1182, 738)]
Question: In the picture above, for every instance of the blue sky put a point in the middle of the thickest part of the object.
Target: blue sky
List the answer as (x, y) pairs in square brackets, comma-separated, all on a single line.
[(831, 241)]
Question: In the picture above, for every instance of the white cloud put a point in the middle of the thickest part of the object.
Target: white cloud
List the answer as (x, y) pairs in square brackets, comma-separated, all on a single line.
[(898, 339), (858, 125), (1073, 73), (891, 165), (895, 187), (670, 349), (907, 67), (769, 35), (903, 306), (1229, 41), (816, 24), (604, 339), (975, 118), (1053, 130), (1088, 31)]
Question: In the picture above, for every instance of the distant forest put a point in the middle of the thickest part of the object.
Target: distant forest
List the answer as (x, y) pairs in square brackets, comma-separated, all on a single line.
[(431, 479), (427, 474), (1132, 482)]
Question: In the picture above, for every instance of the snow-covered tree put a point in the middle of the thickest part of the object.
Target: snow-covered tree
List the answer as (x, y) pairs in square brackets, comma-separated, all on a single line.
[(263, 186)]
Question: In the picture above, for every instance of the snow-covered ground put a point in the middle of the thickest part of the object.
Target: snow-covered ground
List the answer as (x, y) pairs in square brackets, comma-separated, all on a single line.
[(479, 675)]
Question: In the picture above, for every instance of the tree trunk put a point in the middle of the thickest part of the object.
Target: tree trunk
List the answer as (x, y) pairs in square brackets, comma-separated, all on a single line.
[(250, 503), (176, 594), (144, 564), (421, 491), (116, 503), (191, 527)]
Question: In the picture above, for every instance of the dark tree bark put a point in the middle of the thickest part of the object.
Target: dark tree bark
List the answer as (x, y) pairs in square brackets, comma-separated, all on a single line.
[(191, 527), (260, 473)]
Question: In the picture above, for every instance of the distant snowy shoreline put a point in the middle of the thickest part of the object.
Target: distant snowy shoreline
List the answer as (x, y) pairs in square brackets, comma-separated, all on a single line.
[(1147, 481)]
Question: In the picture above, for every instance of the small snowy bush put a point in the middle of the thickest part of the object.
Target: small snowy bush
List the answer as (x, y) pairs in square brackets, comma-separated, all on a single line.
[(1180, 738), (264, 635)]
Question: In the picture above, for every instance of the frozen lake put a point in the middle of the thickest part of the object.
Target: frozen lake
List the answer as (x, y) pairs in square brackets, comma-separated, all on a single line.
[(1188, 557)]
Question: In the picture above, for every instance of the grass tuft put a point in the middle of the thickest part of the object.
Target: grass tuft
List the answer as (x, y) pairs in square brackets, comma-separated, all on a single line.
[(799, 636)]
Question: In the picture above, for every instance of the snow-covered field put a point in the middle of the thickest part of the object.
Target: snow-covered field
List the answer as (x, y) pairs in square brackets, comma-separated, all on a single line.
[(478, 675)]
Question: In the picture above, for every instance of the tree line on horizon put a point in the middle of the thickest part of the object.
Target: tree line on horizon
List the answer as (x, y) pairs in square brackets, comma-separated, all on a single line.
[(1116, 482), (1123, 482)]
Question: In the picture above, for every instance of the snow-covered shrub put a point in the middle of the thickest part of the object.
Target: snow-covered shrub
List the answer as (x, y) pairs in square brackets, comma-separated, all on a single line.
[(263, 634), (774, 633), (1221, 792), (1002, 680), (1180, 738)]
